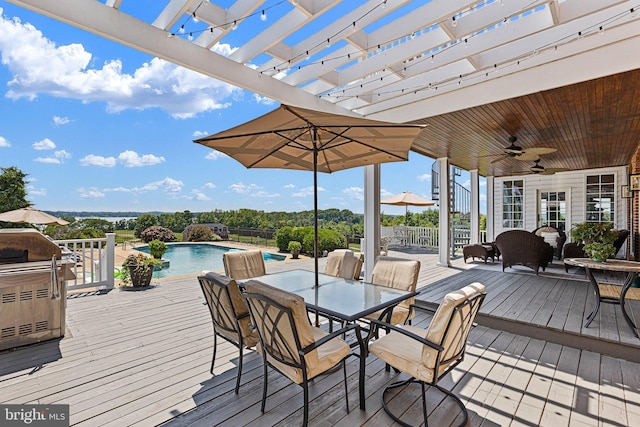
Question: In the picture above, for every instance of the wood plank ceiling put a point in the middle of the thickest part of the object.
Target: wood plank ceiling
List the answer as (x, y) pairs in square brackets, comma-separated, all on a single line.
[(592, 124)]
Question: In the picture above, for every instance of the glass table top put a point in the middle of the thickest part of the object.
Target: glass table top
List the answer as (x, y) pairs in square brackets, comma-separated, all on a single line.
[(342, 298)]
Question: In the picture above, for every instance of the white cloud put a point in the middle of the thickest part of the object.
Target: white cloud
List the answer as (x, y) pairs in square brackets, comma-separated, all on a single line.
[(356, 193), (117, 190), (93, 160), (263, 99), (265, 194), (90, 193), (57, 159), (39, 66), (167, 185), (306, 192), (33, 191), (385, 193), (4, 142), (424, 177), (132, 159), (199, 133), (198, 195), (210, 185), (215, 155), (241, 188), (59, 121), (45, 144), (288, 186)]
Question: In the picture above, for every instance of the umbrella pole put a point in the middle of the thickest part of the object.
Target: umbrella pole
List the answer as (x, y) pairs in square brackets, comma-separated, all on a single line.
[(315, 204)]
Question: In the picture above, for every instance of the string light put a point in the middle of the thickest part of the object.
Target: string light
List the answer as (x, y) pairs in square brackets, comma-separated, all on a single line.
[(263, 17), (454, 23)]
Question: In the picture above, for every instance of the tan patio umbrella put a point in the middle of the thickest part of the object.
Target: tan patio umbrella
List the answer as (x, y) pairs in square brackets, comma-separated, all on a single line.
[(301, 139), (31, 216), (407, 199)]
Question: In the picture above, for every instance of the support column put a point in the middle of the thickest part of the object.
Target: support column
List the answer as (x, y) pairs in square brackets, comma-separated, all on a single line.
[(491, 227), (475, 206), (444, 257), (371, 248)]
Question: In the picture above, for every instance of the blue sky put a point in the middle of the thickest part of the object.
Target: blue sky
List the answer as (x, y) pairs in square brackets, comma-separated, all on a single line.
[(99, 126)]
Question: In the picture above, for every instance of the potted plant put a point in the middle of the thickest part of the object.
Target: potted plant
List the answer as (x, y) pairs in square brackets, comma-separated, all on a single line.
[(157, 248), (598, 238), (294, 247), (137, 270)]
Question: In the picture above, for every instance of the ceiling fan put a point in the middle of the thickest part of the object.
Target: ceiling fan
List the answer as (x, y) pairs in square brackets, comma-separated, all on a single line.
[(538, 169), (524, 154)]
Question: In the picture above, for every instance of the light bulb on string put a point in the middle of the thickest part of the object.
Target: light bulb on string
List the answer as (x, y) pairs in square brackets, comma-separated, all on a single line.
[(263, 16), (601, 30), (195, 18), (190, 36), (454, 22), (633, 12), (181, 29)]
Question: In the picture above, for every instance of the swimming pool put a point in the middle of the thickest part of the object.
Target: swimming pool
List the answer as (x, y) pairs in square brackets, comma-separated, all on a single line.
[(188, 258)]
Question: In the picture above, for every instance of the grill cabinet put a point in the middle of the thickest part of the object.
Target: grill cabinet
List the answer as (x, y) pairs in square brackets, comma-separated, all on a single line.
[(32, 288)]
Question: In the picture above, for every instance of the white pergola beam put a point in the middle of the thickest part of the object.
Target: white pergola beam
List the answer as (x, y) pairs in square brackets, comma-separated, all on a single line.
[(109, 23)]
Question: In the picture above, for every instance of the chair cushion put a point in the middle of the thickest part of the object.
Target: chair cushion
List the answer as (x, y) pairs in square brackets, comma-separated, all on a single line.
[(441, 319), (396, 273), (244, 264), (398, 315), (551, 237), (403, 353), (316, 360), (236, 307)]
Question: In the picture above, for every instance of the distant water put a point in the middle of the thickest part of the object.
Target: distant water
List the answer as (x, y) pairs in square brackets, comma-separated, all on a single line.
[(107, 218)]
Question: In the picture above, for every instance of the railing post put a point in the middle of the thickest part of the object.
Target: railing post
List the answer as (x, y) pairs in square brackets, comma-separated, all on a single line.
[(111, 246)]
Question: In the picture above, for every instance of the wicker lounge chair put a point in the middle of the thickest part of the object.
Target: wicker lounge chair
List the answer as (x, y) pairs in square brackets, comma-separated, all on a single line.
[(524, 248)]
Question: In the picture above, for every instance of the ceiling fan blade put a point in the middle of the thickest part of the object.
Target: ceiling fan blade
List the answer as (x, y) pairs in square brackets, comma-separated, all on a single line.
[(552, 171), (527, 157), (505, 156), (540, 150)]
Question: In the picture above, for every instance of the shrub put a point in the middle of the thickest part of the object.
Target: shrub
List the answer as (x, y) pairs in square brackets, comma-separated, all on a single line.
[(158, 233), (157, 248), (143, 222), (199, 233), (283, 237), (328, 240)]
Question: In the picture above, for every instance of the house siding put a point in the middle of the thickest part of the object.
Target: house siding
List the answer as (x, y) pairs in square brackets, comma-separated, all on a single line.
[(573, 183)]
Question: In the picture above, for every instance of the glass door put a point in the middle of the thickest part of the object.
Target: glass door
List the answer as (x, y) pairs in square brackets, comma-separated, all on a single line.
[(552, 209)]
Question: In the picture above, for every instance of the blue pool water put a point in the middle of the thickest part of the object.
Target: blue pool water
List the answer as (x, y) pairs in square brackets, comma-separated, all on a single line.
[(188, 258)]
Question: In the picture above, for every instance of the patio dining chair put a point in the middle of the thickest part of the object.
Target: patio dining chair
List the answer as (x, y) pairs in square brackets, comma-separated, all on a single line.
[(230, 316), (398, 273), (428, 355), (242, 265), (344, 263), (292, 346)]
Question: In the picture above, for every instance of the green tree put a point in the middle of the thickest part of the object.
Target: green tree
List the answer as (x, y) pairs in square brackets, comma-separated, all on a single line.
[(143, 222), (13, 193)]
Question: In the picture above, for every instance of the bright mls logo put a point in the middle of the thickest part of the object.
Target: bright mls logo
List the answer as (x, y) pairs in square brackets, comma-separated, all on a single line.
[(34, 415)]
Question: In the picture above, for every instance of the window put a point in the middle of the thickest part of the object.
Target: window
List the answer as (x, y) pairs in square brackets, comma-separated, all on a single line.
[(600, 198), (553, 209), (513, 204)]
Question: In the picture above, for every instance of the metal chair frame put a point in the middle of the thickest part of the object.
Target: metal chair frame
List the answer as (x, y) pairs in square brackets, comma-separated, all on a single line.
[(222, 320), (456, 358), (272, 342)]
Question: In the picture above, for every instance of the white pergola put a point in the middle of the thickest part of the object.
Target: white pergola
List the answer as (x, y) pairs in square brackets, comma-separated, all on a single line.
[(391, 60)]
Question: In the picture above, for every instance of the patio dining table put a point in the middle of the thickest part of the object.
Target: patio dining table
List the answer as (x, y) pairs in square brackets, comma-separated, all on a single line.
[(607, 291), (343, 299)]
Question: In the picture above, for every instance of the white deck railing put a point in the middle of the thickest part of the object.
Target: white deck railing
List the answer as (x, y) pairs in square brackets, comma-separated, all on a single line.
[(423, 236), (91, 260)]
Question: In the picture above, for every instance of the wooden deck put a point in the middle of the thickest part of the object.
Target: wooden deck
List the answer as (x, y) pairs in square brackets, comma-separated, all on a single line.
[(142, 358)]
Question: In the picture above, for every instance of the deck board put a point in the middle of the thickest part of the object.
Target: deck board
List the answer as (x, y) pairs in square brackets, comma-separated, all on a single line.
[(142, 358)]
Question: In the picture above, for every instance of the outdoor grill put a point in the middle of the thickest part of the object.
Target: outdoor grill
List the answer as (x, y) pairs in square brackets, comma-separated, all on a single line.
[(32, 288)]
